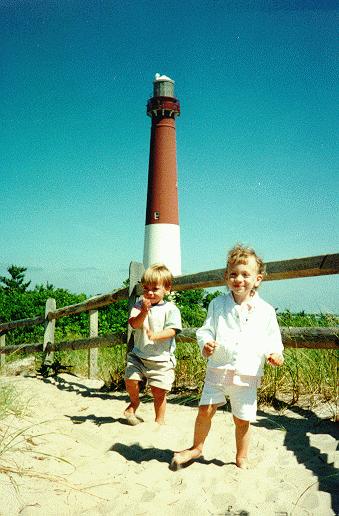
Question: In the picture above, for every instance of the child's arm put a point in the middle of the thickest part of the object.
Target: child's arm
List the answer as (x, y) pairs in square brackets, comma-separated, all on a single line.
[(207, 333), (172, 325), (168, 333), (275, 348), (137, 321)]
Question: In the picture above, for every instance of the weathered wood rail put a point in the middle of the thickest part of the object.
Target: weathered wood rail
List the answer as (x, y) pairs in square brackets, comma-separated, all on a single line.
[(322, 338), (280, 270), (306, 337)]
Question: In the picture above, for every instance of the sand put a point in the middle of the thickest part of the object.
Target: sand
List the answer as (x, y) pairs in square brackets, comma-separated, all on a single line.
[(74, 454)]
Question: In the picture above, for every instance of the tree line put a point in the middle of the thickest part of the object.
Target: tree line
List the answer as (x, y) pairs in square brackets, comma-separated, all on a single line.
[(18, 301)]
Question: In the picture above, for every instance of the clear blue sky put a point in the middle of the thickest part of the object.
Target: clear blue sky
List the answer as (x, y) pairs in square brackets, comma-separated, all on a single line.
[(256, 142)]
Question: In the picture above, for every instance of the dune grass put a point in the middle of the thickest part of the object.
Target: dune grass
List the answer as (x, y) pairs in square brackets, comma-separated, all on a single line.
[(12, 406), (10, 402), (311, 372)]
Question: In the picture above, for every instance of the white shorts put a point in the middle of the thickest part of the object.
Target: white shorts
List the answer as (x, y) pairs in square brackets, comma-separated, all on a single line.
[(243, 399)]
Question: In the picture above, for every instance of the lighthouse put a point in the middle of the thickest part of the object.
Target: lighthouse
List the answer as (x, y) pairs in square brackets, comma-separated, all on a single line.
[(162, 230)]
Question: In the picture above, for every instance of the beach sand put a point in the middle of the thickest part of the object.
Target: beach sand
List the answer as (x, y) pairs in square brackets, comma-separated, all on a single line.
[(74, 455)]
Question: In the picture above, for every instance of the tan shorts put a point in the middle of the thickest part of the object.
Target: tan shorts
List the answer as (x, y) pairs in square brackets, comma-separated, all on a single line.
[(157, 374)]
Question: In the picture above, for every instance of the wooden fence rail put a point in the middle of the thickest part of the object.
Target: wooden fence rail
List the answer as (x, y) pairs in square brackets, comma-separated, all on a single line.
[(306, 337), (285, 269), (324, 338)]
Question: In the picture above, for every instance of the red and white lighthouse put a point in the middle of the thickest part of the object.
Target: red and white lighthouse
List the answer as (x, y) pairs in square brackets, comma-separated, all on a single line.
[(162, 230)]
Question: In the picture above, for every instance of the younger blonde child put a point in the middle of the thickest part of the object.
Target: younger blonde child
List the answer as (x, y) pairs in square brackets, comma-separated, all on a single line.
[(156, 322)]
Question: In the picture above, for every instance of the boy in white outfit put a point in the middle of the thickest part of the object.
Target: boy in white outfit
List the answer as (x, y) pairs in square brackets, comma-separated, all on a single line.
[(240, 332)]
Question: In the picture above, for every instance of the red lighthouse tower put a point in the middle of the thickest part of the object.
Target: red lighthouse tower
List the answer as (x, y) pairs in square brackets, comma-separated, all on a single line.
[(162, 231)]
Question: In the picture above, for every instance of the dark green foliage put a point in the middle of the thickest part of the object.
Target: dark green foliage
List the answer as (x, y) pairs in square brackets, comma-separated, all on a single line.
[(193, 305), (301, 319), (113, 318), (16, 282), (16, 305), (209, 296)]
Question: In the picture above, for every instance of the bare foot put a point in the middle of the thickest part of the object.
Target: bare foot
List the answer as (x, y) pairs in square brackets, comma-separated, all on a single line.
[(131, 418), (242, 463), (184, 457), (160, 422)]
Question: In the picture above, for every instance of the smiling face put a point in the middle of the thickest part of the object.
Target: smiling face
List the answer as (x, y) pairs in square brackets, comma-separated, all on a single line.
[(242, 278)]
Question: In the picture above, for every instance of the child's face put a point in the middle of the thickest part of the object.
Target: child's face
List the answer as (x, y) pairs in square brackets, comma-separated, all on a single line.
[(155, 293), (242, 279)]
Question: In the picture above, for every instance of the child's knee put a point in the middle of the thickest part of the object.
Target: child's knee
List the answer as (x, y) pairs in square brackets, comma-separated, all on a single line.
[(131, 383), (158, 393), (207, 411), (241, 423), (132, 387)]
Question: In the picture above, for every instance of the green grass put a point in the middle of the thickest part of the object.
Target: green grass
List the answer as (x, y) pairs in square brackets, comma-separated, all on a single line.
[(11, 405), (311, 372), (306, 371), (10, 402), (111, 364)]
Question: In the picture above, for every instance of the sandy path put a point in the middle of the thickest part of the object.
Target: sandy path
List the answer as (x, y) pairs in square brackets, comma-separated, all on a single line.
[(80, 457)]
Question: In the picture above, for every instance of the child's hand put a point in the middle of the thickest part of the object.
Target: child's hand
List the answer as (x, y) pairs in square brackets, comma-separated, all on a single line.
[(274, 359), (150, 334), (209, 348), (145, 305), (137, 321)]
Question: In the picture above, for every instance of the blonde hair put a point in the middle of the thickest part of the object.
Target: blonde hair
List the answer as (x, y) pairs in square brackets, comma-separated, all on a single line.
[(240, 254), (157, 273)]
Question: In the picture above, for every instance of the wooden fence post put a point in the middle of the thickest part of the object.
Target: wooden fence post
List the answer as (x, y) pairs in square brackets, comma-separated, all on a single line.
[(49, 331), (93, 352), (2, 345), (136, 271)]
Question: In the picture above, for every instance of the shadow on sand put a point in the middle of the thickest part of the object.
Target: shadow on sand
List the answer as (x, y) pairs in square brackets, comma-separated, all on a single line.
[(82, 390), (138, 454), (297, 431)]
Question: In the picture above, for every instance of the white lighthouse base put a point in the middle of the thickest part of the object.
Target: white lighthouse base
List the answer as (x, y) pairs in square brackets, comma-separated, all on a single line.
[(162, 244)]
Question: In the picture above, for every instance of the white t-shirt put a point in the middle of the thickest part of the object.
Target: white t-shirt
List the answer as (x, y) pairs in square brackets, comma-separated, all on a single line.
[(161, 316), (245, 334)]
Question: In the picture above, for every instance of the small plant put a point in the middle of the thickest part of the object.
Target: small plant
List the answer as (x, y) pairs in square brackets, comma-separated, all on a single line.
[(10, 403), (112, 363), (56, 367)]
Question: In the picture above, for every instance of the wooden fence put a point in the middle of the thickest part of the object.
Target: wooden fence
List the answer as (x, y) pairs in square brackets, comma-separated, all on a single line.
[(308, 337)]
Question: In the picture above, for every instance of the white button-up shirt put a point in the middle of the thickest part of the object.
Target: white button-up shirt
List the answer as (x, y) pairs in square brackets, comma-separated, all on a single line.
[(245, 334)]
